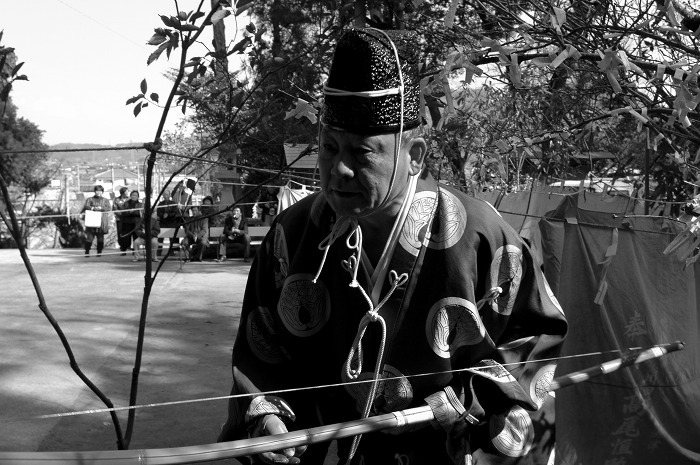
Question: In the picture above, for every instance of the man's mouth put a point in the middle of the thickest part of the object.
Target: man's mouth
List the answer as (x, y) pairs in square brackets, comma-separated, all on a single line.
[(345, 194)]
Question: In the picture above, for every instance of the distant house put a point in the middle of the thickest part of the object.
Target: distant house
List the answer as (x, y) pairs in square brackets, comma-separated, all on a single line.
[(114, 178)]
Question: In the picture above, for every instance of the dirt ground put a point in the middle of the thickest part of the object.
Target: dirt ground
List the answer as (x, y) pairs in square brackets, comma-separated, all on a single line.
[(192, 319)]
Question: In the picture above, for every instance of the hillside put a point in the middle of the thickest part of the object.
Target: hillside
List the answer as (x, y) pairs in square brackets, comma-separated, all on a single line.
[(117, 157)]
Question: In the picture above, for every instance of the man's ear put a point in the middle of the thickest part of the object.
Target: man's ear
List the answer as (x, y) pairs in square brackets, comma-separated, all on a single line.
[(417, 151)]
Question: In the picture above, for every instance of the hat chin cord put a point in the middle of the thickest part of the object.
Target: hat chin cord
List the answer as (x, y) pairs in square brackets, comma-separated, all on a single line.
[(354, 242)]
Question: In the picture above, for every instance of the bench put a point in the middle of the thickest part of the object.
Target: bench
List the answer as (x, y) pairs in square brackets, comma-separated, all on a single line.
[(256, 233), (168, 234)]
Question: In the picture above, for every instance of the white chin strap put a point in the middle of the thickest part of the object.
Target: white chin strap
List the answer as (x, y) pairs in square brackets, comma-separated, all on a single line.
[(330, 91)]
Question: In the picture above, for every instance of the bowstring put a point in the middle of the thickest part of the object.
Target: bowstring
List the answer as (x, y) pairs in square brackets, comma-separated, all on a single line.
[(511, 365)]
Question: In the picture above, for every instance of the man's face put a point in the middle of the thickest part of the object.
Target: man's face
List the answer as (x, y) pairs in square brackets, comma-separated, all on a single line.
[(356, 170), (134, 196), (98, 193), (236, 212)]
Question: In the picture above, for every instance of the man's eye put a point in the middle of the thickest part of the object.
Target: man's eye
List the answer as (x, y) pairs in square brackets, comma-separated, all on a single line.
[(363, 155), (328, 149)]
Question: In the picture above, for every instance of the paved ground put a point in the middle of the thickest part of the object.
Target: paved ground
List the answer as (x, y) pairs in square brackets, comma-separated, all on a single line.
[(193, 315)]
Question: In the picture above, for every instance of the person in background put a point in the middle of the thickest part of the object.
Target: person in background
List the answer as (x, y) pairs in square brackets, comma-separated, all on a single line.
[(235, 231), (272, 213), (131, 216), (208, 208), (140, 240), (388, 290), (168, 217), (124, 242), (196, 235), (99, 204)]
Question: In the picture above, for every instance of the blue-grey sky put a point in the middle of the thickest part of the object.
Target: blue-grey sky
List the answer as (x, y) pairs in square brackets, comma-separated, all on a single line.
[(84, 59)]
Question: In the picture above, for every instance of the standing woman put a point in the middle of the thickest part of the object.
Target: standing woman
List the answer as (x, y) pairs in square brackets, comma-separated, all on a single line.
[(119, 202), (99, 204), (131, 217)]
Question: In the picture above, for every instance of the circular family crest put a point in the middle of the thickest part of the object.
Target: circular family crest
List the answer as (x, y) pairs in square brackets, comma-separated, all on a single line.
[(453, 322), (417, 221), (506, 272), (304, 306), (259, 330), (394, 391), (540, 384), (451, 218), (513, 433), (279, 251)]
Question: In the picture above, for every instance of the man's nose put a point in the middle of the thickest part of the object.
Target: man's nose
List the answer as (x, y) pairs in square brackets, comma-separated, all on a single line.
[(344, 166)]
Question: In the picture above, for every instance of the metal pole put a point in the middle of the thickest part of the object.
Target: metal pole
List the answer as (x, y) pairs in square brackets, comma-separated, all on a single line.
[(65, 190), (646, 175)]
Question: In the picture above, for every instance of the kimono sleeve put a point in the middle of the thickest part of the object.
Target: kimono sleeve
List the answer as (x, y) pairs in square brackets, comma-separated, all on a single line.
[(259, 361), (485, 410)]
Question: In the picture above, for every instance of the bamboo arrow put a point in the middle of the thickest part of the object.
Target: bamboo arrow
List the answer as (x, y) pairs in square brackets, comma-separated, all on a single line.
[(245, 447)]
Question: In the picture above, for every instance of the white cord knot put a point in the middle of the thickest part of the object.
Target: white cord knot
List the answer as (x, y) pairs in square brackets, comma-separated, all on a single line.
[(490, 296), (338, 229)]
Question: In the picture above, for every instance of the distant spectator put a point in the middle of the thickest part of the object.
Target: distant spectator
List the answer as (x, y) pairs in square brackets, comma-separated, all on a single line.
[(140, 240), (196, 235), (168, 217), (122, 198), (272, 213), (131, 216), (99, 204), (208, 208), (235, 231)]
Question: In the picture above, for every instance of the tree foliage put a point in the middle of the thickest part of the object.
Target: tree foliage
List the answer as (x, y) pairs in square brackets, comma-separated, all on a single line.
[(513, 90), (27, 173)]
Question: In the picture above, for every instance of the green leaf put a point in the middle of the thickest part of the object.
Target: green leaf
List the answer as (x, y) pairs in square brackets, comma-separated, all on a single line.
[(250, 28), (243, 8), (182, 15), (5, 92), (170, 21), (237, 99), (240, 46), (134, 99), (184, 105), (22, 77), (192, 76), (137, 109), (16, 68), (154, 56), (188, 27), (154, 97), (196, 16), (144, 86), (157, 39)]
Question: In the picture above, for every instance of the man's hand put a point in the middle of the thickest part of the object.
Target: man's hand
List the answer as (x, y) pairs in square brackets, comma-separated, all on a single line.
[(272, 424)]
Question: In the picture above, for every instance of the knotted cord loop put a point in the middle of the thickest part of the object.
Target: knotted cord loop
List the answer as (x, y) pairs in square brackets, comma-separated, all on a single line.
[(371, 316), (337, 230), (490, 296), (354, 242)]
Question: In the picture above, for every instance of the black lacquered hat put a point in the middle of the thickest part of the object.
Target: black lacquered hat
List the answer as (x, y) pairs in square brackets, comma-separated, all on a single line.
[(362, 93)]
